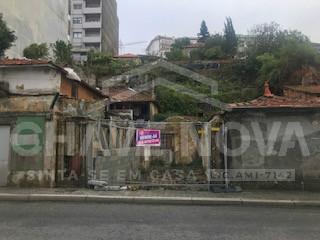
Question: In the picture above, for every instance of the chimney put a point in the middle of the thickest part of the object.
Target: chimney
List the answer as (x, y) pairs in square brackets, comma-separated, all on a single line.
[(267, 92)]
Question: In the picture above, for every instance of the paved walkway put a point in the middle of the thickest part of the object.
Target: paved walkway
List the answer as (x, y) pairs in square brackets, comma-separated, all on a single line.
[(283, 198), (253, 194)]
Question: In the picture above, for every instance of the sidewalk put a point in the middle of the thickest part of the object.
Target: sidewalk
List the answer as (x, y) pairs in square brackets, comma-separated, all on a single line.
[(247, 198)]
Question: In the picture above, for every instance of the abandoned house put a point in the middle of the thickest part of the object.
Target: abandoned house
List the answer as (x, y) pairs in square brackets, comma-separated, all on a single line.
[(44, 112), (142, 105), (274, 132)]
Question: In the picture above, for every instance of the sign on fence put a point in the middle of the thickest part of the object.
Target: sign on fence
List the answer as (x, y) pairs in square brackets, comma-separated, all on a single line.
[(148, 137)]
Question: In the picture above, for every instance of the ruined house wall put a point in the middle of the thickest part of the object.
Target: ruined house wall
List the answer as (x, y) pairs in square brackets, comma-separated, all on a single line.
[(32, 156), (86, 94), (82, 92), (297, 126), (31, 80)]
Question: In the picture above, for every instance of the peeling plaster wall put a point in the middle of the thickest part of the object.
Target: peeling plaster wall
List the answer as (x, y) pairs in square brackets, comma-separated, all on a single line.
[(35, 21), (31, 80)]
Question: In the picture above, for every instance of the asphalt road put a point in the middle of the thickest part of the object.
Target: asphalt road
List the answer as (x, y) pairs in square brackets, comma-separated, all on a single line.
[(120, 221)]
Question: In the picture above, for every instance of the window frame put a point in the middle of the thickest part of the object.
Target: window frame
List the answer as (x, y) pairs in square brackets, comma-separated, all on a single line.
[(77, 20), (77, 35), (77, 4)]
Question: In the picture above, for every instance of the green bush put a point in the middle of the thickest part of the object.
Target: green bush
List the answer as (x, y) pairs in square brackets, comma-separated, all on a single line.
[(36, 51)]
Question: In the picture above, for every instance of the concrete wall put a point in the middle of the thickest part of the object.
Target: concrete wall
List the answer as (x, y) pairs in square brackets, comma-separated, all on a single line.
[(110, 27), (35, 21), (31, 80), (295, 146)]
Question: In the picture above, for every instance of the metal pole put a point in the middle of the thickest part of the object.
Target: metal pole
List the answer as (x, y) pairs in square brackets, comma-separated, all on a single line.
[(225, 150), (207, 136)]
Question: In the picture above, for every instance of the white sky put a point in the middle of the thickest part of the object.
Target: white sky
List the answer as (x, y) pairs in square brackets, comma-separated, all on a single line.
[(141, 20)]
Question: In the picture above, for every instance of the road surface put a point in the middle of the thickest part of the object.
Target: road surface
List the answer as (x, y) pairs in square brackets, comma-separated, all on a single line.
[(77, 221)]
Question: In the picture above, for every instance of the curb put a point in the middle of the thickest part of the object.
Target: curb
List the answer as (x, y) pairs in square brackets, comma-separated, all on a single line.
[(4, 197)]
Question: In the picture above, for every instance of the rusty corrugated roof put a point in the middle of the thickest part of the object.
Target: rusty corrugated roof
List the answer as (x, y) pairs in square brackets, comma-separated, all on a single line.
[(123, 94)]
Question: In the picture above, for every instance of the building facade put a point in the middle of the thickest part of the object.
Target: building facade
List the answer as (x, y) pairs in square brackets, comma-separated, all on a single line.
[(45, 111), (94, 25), (48, 24), (290, 152), (159, 46)]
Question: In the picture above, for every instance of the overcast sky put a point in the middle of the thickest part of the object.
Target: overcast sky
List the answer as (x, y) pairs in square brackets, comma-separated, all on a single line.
[(142, 20)]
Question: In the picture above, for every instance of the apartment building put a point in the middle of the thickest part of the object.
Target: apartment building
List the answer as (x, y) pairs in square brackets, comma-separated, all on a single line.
[(35, 21), (94, 25)]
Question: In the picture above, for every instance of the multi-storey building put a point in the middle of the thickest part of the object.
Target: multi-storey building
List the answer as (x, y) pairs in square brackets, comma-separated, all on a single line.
[(159, 46), (94, 25), (35, 21)]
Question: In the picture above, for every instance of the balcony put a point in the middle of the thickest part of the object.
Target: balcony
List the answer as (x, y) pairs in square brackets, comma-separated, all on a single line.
[(92, 10), (92, 39), (92, 24)]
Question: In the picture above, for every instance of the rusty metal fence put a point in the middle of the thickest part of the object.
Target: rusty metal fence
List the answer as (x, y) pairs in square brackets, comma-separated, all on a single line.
[(187, 154)]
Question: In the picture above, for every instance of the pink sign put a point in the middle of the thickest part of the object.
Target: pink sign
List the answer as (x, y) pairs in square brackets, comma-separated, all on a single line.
[(148, 137)]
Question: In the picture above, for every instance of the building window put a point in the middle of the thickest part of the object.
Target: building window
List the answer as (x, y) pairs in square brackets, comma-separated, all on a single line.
[(77, 20), (77, 35), (77, 6), (92, 17)]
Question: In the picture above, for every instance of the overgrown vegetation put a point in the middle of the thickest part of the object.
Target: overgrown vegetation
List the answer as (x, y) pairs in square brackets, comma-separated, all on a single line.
[(271, 53), (104, 65), (62, 52), (7, 37), (36, 51)]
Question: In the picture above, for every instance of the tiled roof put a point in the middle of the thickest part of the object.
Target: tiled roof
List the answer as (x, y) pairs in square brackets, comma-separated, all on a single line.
[(270, 101), (276, 102), (29, 62), (123, 94), (9, 62)]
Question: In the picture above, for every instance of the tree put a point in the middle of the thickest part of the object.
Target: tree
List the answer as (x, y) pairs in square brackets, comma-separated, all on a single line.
[(216, 40), (266, 38), (62, 52), (213, 53), (176, 54), (103, 65), (7, 37), (231, 40), (181, 42), (197, 54), (204, 32), (36, 51), (286, 62)]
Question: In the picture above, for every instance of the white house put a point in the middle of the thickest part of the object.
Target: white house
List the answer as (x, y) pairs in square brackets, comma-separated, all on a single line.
[(159, 46)]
